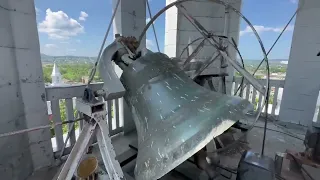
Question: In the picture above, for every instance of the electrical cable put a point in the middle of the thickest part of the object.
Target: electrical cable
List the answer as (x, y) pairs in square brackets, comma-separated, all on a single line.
[(259, 41), (154, 30), (38, 128), (94, 69)]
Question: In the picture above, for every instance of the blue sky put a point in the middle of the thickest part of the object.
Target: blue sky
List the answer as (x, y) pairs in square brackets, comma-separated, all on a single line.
[(77, 27)]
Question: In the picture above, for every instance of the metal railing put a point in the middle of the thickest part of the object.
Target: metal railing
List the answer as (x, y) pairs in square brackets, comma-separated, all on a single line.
[(61, 105), (256, 98), (67, 94)]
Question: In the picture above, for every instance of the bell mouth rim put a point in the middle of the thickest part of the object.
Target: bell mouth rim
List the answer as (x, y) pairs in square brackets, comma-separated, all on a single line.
[(214, 132)]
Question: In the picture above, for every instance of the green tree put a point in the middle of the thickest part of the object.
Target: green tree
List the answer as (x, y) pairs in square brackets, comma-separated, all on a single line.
[(47, 70)]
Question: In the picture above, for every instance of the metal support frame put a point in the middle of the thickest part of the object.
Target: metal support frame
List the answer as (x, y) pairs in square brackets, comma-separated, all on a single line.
[(215, 44), (97, 125)]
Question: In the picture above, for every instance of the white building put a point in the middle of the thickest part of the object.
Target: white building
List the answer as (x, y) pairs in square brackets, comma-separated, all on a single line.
[(56, 76)]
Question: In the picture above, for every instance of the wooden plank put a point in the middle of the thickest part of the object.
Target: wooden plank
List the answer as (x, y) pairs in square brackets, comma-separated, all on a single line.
[(109, 111), (275, 97), (70, 117), (117, 114), (55, 93), (56, 117)]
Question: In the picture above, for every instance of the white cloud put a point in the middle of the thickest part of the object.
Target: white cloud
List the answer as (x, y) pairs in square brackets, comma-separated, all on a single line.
[(51, 46), (261, 29), (294, 1), (58, 25), (149, 44), (83, 16)]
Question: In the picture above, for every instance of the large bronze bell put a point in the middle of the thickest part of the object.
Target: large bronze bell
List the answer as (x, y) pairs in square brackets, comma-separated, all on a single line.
[(174, 116)]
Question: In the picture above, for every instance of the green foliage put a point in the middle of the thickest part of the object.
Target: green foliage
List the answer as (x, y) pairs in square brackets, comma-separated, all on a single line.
[(47, 70), (258, 76), (71, 72), (271, 96), (74, 72)]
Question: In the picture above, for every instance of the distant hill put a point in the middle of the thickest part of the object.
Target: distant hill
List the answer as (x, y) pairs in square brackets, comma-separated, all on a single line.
[(46, 59)]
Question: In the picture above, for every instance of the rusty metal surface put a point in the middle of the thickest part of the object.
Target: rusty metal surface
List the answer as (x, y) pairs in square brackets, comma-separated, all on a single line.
[(174, 116)]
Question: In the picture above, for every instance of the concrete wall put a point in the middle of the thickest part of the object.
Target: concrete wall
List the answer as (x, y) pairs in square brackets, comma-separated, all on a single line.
[(179, 31), (302, 80), (22, 93)]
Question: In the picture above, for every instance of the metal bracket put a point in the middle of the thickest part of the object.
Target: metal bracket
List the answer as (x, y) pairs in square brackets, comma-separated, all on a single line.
[(97, 126)]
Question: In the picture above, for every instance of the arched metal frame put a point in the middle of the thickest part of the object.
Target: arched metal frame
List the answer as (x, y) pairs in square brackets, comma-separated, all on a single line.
[(267, 86)]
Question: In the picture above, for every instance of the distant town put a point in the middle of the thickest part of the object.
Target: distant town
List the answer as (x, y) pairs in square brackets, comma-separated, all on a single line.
[(75, 69)]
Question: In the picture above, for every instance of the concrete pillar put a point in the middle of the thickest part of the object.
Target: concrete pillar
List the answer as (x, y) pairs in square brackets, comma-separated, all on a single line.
[(130, 20), (179, 31), (22, 93), (302, 80)]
